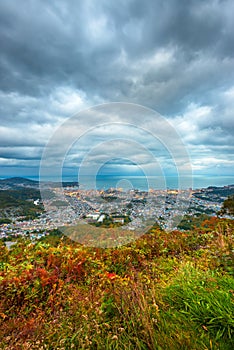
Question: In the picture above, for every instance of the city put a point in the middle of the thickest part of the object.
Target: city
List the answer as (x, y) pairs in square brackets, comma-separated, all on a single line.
[(130, 210)]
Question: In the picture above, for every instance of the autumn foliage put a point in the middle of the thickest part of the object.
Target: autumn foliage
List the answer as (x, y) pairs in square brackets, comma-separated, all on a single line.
[(167, 290)]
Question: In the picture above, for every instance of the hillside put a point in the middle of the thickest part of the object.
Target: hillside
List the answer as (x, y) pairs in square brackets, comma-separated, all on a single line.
[(164, 291), (228, 206), (18, 182), (19, 202)]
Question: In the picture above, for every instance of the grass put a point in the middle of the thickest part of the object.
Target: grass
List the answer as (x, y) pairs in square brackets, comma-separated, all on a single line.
[(164, 291)]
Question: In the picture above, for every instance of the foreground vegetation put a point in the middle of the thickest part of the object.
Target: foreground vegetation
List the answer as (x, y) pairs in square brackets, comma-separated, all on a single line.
[(164, 291)]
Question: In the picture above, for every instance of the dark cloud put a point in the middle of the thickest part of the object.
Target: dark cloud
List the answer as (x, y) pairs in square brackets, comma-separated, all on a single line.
[(58, 57)]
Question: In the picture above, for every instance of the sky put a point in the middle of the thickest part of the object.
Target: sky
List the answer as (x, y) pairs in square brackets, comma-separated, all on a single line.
[(61, 58)]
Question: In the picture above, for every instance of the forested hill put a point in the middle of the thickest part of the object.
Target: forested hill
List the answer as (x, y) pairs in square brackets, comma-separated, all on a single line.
[(19, 182)]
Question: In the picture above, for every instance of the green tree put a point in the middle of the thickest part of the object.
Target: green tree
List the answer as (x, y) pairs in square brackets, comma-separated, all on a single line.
[(228, 206)]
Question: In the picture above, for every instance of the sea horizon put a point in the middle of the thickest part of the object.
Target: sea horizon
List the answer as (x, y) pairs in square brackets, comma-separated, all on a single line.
[(139, 182)]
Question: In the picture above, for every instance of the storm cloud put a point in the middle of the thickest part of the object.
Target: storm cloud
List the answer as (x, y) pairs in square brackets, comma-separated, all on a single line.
[(59, 57)]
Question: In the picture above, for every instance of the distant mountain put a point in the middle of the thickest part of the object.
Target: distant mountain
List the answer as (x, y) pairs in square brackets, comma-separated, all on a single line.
[(18, 182)]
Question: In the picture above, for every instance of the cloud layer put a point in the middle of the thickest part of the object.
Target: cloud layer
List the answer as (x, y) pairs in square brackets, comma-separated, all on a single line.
[(176, 57)]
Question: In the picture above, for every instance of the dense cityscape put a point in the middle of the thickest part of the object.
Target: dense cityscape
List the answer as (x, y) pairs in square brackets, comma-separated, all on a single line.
[(131, 209)]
